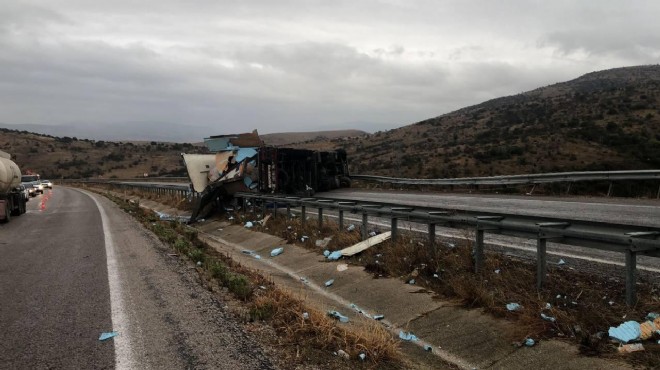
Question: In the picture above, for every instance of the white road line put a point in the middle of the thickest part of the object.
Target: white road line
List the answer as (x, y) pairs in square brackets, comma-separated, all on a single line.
[(123, 348)]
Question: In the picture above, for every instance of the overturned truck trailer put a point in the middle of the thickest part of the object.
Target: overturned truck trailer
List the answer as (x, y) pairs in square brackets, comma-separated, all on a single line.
[(243, 163)]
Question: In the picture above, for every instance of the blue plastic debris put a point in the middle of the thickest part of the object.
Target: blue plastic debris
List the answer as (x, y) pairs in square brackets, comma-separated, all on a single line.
[(276, 252), (338, 316), (326, 253), (408, 336), (625, 332), (428, 348), (512, 306), (106, 336), (529, 342), (548, 318), (334, 255), (329, 282)]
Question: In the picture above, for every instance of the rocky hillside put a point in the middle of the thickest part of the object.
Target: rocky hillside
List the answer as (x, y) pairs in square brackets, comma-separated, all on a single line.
[(67, 157), (607, 120)]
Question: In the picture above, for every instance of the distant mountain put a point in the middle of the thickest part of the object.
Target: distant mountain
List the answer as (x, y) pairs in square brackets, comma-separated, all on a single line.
[(286, 138), (607, 120), (121, 131)]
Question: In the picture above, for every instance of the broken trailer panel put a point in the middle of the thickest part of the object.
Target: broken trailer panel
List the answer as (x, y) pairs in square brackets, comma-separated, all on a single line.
[(243, 163)]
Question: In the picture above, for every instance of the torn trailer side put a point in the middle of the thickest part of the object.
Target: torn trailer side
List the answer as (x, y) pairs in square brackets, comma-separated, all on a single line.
[(264, 169)]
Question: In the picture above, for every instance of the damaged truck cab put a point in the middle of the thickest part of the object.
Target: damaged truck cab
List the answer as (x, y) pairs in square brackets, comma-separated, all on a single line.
[(243, 163)]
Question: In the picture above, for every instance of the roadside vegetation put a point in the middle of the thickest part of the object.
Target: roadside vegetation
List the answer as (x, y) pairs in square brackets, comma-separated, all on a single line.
[(303, 335)]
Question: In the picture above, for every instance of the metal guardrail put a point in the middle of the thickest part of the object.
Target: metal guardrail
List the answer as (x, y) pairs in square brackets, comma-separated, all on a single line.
[(532, 179), (627, 239), (630, 240)]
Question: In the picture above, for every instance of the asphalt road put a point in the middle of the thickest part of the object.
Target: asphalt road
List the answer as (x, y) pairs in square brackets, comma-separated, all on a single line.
[(643, 212), (78, 266)]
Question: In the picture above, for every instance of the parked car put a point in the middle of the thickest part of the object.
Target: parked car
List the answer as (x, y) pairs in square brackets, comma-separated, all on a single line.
[(29, 188), (47, 184), (38, 186)]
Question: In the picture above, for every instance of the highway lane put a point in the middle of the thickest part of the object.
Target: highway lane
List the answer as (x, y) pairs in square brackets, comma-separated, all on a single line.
[(80, 266), (617, 210)]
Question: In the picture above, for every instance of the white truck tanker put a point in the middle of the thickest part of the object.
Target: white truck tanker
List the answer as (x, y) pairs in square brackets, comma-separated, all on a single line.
[(12, 202)]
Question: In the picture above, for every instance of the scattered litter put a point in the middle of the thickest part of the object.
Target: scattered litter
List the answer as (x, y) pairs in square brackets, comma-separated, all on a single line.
[(648, 328), (611, 303), (529, 342), (326, 253), (322, 243), (231, 218), (276, 251), (304, 280), (342, 267), (288, 227), (497, 271), (350, 227), (334, 256), (304, 238), (561, 262), (199, 263), (547, 318), (343, 354), (173, 255), (436, 276), (106, 336), (247, 251), (338, 316), (305, 315), (626, 332), (264, 220), (411, 281), (248, 225), (329, 282), (512, 306), (362, 356), (652, 316), (451, 245), (629, 348), (379, 317), (428, 348), (373, 233), (558, 296), (408, 336), (379, 255), (257, 256), (366, 244), (262, 287), (548, 306)]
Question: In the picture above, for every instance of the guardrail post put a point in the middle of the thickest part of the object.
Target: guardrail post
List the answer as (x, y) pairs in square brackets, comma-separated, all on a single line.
[(275, 210), (431, 236), (365, 223), (541, 244), (657, 196), (394, 228), (320, 213), (288, 211), (341, 219), (263, 208), (631, 275), (568, 190), (303, 214), (479, 250), (609, 190)]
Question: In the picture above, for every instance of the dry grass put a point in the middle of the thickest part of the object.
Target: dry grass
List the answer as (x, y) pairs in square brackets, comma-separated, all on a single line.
[(317, 335)]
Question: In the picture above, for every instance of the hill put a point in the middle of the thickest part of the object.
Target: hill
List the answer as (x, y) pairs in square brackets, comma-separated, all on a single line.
[(607, 120), (286, 138)]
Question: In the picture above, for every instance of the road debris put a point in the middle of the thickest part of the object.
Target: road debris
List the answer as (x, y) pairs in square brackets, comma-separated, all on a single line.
[(276, 251), (329, 282), (342, 353), (362, 356), (411, 281), (338, 316), (322, 243), (629, 348), (334, 255), (342, 267), (428, 348), (366, 244), (529, 342), (350, 227), (106, 336), (547, 318), (408, 336), (513, 306), (378, 317), (249, 225), (305, 315), (561, 262), (626, 332)]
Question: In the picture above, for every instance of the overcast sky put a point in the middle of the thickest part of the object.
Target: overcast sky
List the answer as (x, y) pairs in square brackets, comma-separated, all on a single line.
[(285, 65)]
